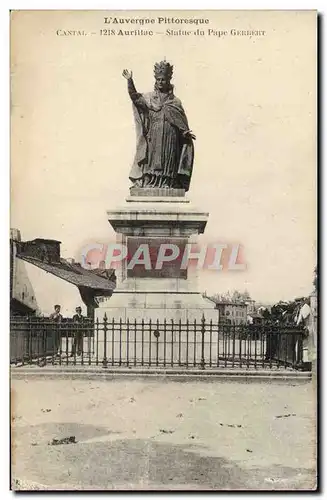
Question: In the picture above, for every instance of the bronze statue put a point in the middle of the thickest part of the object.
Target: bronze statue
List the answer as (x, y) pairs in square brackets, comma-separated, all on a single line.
[(164, 150)]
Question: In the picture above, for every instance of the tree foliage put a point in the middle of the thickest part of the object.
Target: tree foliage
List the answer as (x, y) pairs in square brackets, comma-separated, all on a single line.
[(231, 296)]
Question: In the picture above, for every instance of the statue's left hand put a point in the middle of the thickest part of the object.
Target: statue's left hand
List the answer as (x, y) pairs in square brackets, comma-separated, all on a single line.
[(189, 135)]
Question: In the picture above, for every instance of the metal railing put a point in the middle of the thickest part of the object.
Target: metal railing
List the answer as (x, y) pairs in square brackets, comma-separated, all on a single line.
[(111, 343)]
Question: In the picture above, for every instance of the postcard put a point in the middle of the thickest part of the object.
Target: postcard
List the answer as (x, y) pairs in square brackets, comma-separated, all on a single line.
[(163, 250)]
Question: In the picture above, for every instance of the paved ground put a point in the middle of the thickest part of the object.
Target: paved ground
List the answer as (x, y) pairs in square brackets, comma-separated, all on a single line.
[(163, 435)]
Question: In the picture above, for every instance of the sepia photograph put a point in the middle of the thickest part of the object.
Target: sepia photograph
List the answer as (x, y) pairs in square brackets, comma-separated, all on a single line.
[(163, 250)]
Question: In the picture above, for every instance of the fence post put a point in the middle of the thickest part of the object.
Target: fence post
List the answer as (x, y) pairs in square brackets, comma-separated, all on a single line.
[(127, 342), (105, 329), (172, 342), (58, 344), (120, 341), (93, 338), (203, 329), (29, 341), (113, 341), (97, 342)]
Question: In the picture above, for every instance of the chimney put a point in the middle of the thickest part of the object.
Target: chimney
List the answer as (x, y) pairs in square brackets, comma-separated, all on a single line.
[(15, 234)]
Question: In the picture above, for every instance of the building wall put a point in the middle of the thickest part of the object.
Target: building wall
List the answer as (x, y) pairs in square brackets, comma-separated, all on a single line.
[(40, 290), (50, 290), (250, 304), (21, 288), (233, 312)]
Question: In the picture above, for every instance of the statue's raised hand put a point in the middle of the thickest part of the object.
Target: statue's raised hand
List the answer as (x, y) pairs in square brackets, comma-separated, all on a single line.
[(127, 74)]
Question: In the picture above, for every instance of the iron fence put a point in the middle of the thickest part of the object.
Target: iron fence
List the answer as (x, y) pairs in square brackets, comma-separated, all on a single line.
[(111, 343)]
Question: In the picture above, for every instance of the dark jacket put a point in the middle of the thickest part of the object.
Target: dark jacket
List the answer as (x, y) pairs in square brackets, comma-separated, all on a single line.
[(78, 318)]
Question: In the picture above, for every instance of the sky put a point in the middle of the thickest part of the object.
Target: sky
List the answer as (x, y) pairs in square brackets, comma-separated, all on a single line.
[(249, 100)]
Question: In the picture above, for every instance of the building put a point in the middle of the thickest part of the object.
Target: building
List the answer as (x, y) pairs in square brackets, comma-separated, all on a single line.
[(255, 318), (22, 296), (45, 255), (234, 313), (250, 305)]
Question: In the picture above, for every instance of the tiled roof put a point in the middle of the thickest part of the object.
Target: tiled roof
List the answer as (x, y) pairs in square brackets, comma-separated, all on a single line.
[(96, 279)]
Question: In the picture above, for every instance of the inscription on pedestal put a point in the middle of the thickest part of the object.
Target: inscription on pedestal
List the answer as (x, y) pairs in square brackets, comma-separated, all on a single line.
[(151, 246)]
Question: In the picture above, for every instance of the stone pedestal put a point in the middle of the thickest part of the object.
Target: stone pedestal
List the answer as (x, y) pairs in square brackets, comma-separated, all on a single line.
[(154, 217)]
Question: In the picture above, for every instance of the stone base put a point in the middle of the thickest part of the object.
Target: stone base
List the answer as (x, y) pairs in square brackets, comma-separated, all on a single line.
[(156, 216), (156, 192), (160, 306), (153, 216), (157, 199), (174, 335)]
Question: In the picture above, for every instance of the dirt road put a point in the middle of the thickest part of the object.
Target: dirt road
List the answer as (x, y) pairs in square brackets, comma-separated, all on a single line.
[(162, 435)]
